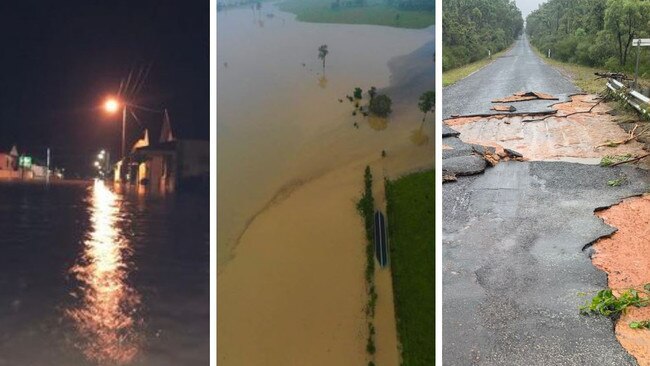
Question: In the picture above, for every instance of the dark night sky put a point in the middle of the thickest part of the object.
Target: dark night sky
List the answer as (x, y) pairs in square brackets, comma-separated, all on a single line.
[(60, 59)]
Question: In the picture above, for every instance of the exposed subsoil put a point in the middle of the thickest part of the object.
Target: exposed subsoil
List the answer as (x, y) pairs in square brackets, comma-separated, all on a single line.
[(625, 257), (575, 131)]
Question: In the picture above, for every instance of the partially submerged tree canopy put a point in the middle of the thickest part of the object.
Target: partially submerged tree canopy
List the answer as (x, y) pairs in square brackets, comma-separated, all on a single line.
[(380, 105), (322, 53), (427, 102)]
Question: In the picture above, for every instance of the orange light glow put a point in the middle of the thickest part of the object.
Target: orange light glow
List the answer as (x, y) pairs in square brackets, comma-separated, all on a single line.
[(107, 317), (111, 105)]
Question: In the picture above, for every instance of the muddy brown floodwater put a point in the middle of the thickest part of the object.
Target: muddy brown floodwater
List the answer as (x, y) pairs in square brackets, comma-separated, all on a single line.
[(625, 256), (290, 284), (557, 137)]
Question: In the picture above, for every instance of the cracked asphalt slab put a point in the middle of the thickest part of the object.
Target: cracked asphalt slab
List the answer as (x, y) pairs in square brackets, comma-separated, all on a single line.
[(520, 69), (513, 264)]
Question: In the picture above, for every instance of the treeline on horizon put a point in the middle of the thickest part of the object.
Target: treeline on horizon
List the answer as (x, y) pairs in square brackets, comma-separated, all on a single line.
[(472, 28), (596, 33)]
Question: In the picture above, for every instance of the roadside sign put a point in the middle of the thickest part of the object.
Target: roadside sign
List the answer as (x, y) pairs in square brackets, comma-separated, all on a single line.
[(639, 42), (25, 162), (643, 42)]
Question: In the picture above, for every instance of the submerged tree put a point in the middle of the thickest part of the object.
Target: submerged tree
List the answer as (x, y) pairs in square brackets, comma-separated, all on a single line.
[(427, 102), (358, 93), (322, 54), (372, 92), (380, 105)]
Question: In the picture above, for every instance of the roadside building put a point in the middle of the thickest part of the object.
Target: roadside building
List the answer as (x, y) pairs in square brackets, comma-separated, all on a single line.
[(168, 158), (9, 164)]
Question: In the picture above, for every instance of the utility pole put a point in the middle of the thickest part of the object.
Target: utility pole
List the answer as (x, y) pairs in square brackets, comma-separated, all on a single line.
[(123, 132), (122, 167), (47, 172)]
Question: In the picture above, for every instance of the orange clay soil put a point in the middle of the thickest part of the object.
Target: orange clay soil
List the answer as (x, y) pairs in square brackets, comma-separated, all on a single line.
[(625, 256), (556, 137)]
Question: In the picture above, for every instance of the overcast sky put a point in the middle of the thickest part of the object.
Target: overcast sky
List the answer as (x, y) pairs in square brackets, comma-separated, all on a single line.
[(527, 6)]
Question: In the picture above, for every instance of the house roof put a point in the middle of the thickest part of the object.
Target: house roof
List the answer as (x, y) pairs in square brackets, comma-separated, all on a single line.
[(168, 125)]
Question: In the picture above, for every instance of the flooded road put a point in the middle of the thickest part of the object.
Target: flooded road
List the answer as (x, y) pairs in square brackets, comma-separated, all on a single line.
[(280, 123), (93, 277), (291, 156)]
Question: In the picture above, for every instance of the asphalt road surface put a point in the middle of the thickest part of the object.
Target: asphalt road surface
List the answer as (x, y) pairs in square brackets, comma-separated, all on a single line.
[(513, 237), (514, 264), (520, 69)]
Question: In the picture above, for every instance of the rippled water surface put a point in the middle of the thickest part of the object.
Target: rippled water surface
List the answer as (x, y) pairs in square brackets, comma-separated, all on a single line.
[(89, 276)]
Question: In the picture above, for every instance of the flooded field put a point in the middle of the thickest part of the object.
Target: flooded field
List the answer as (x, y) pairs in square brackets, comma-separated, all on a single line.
[(94, 277), (290, 169)]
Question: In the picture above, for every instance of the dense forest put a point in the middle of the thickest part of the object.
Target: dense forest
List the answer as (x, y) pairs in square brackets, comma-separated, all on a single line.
[(471, 28), (595, 33)]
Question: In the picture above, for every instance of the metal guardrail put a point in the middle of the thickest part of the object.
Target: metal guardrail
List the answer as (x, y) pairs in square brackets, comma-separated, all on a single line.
[(637, 100)]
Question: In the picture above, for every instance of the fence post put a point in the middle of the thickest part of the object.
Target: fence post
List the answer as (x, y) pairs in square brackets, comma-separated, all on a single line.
[(636, 68)]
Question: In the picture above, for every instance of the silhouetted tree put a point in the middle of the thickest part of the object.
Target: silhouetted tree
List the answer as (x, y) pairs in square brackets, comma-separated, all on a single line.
[(322, 54)]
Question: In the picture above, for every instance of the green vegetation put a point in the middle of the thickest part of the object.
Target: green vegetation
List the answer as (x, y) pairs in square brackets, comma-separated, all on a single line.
[(582, 76), (595, 33), (609, 160), (410, 210), (426, 103), (402, 14), (380, 105), (643, 324), (372, 92), (616, 182), (366, 207), (472, 29), (606, 304), (357, 93)]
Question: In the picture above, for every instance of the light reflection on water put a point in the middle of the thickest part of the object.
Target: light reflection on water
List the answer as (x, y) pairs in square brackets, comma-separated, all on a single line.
[(107, 315)]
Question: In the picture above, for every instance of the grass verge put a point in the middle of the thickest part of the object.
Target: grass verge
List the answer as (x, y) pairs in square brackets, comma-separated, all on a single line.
[(410, 210), (366, 207), (452, 76), (582, 76), (375, 13)]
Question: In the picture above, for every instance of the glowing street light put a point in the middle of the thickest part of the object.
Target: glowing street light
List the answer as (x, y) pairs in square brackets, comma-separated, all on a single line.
[(111, 105)]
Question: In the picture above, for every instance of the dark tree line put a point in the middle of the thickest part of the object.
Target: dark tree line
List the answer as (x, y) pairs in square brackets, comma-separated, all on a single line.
[(421, 5), (472, 28), (590, 32)]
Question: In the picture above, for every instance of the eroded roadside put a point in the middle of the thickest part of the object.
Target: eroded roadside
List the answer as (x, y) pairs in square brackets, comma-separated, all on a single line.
[(625, 257)]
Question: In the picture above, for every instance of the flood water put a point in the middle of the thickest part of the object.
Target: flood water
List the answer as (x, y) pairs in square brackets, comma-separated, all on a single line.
[(89, 276), (280, 120)]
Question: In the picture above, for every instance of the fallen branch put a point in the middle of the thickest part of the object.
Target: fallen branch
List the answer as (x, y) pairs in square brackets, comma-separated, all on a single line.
[(568, 115), (631, 160), (501, 115), (631, 136)]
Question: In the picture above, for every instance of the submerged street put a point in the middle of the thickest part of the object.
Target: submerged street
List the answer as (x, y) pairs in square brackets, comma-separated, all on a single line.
[(95, 277)]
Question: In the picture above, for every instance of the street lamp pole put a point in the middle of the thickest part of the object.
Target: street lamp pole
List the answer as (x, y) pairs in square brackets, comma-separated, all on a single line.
[(123, 131)]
